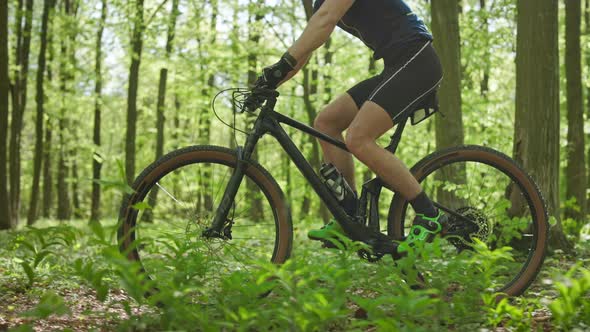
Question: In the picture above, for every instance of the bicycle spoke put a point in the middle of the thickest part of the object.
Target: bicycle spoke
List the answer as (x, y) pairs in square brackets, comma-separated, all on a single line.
[(190, 195), (254, 225), (169, 195), (219, 188), (495, 219), (249, 238)]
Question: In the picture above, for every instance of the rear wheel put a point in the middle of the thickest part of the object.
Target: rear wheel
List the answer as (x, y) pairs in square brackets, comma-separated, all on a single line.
[(498, 203), (175, 198)]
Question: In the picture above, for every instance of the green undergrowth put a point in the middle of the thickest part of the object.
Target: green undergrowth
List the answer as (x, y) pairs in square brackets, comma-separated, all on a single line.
[(316, 290)]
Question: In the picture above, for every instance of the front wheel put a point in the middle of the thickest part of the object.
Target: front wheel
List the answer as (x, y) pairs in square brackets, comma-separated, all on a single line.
[(494, 200), (174, 201)]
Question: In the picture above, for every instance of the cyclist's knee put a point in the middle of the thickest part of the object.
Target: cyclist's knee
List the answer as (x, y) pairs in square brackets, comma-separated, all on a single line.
[(356, 141), (324, 121), (320, 123)]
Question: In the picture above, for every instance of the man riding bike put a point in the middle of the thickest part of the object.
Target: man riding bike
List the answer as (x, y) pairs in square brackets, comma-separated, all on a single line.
[(412, 72)]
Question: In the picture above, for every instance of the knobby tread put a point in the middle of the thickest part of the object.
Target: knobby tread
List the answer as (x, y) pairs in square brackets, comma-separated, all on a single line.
[(194, 148), (211, 148), (459, 148), (420, 165)]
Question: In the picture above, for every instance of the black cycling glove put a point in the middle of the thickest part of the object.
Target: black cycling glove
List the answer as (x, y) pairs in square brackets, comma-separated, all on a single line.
[(273, 75)]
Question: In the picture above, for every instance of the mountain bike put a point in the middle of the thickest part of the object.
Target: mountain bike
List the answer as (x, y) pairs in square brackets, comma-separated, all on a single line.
[(223, 207)]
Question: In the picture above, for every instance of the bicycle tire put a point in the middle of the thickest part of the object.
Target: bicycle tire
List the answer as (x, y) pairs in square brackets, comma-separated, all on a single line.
[(214, 155), (501, 162)]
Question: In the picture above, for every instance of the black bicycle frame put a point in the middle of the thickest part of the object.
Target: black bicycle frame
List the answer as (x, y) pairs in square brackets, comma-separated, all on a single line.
[(268, 122)]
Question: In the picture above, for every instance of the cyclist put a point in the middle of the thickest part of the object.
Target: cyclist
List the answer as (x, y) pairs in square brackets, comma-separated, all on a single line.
[(412, 72)]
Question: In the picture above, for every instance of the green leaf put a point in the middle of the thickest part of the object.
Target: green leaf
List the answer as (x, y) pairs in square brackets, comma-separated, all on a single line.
[(22, 328), (141, 206), (40, 256), (98, 230), (29, 272), (50, 304), (118, 185)]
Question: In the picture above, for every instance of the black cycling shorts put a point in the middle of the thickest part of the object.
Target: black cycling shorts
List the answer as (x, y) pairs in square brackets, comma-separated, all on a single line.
[(408, 78)]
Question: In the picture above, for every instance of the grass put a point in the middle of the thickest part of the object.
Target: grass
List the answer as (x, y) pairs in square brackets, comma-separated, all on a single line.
[(71, 276)]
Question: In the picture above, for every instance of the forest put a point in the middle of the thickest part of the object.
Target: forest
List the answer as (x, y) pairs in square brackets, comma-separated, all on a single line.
[(94, 92)]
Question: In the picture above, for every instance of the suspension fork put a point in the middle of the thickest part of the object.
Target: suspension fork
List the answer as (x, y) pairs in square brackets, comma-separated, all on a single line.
[(243, 156)]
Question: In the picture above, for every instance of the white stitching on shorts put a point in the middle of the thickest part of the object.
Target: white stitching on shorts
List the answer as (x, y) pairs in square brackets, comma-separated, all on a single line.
[(397, 72), (422, 95)]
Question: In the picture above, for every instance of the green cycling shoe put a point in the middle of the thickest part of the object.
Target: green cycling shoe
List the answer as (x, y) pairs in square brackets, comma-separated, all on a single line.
[(424, 229), (329, 233)]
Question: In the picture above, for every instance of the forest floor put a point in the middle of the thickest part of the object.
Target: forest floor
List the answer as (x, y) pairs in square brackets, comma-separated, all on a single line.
[(51, 296)]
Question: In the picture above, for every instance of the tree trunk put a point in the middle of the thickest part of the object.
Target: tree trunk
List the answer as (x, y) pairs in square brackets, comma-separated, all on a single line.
[(328, 56), (47, 178), (310, 88), (587, 61), (204, 126), (445, 28), (176, 122), (97, 158), (19, 104), (63, 199), (74, 179), (147, 216), (47, 155), (485, 80), (137, 46), (40, 99), (449, 129), (575, 170), (314, 160), (5, 221), (75, 189), (255, 199), (536, 140), (64, 208)]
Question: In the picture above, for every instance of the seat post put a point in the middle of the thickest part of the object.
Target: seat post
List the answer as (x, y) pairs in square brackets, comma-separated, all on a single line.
[(397, 135)]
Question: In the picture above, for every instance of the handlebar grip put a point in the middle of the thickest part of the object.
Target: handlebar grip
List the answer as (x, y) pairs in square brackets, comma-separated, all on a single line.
[(257, 97)]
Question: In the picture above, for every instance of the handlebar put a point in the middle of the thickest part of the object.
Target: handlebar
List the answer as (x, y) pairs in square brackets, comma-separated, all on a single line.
[(257, 97)]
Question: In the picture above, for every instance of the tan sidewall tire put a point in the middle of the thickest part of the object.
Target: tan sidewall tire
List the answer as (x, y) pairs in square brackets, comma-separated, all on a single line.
[(493, 158), (213, 154)]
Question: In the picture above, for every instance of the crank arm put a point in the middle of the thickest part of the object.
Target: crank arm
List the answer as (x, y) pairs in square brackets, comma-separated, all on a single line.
[(378, 241)]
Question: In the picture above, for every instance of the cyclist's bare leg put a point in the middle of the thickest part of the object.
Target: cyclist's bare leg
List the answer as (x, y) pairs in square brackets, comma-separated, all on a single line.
[(371, 122), (333, 120)]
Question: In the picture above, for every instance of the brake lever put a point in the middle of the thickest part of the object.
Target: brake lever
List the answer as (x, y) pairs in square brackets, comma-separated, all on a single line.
[(257, 97)]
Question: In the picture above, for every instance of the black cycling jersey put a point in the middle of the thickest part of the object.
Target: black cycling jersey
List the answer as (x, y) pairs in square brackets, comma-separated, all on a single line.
[(383, 25)]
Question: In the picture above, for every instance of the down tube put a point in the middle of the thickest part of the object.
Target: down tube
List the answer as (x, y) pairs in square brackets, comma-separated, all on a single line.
[(305, 168)]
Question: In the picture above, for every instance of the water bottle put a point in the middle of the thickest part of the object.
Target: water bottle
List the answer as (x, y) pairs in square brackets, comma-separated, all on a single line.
[(339, 188)]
